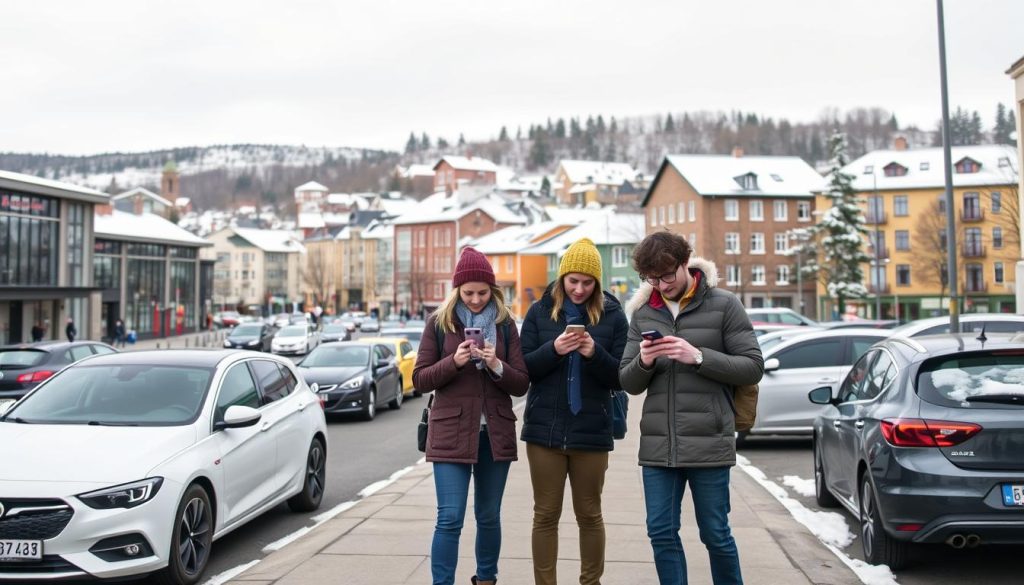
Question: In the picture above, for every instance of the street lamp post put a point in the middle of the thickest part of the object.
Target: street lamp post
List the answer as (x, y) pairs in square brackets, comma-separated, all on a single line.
[(954, 299), (876, 217), (799, 235)]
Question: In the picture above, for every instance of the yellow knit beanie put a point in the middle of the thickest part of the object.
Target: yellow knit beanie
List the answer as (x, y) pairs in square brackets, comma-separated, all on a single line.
[(581, 257)]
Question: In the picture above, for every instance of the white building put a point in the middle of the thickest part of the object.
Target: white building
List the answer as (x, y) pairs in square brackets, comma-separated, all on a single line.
[(257, 268)]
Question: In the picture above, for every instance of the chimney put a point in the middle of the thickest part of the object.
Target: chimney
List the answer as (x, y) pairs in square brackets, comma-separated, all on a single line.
[(900, 143), (737, 151), (170, 184), (104, 209), (137, 205)]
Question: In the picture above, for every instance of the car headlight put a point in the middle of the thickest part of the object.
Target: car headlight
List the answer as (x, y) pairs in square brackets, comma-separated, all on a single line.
[(352, 384), (227, 343), (127, 495), (254, 342)]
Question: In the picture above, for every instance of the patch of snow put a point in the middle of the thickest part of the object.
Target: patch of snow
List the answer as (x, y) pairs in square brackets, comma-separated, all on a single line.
[(804, 487)]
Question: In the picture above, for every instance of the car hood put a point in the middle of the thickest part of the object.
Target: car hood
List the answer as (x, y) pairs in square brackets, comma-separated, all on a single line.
[(242, 338), (83, 453), (289, 338), (330, 375)]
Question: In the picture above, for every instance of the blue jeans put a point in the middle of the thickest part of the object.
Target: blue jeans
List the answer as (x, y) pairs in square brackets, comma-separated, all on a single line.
[(451, 482), (663, 496)]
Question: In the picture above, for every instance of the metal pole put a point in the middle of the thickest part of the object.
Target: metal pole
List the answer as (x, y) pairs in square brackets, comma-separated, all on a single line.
[(954, 300), (878, 249)]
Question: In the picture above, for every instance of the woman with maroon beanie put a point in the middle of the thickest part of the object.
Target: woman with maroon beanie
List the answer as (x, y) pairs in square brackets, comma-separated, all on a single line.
[(472, 429)]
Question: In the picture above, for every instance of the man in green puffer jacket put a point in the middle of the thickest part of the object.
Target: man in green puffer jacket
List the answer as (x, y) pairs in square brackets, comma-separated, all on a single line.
[(687, 433)]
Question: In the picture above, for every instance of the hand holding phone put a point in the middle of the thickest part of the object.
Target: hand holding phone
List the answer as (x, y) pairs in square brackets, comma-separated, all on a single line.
[(476, 335), (576, 329), (652, 335)]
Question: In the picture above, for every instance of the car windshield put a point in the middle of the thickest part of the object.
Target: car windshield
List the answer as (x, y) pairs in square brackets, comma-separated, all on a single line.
[(293, 332), (117, 395), (247, 330), (337, 356), (972, 379), (335, 328), (21, 358)]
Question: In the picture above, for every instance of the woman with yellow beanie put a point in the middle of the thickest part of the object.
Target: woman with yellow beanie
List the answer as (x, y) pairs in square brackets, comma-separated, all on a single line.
[(572, 340)]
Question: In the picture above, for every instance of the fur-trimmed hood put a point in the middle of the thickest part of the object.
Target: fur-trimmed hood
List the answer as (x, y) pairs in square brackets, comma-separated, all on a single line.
[(643, 294)]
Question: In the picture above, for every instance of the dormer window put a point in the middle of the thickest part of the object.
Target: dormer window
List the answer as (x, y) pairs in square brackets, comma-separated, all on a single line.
[(1004, 162), (894, 169), (925, 166), (869, 170), (748, 181), (776, 178), (967, 166)]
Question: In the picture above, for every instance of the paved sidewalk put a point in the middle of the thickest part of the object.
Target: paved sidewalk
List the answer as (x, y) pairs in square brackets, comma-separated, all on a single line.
[(214, 339), (386, 537)]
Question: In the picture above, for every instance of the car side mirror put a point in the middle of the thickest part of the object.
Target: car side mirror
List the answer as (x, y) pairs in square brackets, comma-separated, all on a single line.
[(771, 364), (822, 395), (237, 416), (382, 364)]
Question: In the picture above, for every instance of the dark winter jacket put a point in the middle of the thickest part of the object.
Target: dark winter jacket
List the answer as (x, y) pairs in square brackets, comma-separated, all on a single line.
[(688, 419), (460, 395), (548, 421)]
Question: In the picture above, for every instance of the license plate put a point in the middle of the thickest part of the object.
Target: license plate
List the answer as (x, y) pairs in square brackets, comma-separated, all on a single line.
[(21, 550), (1013, 495)]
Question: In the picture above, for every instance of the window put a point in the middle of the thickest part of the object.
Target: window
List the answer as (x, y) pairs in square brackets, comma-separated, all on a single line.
[(510, 265), (972, 205), (925, 166), (782, 274), (881, 374), (780, 212), (101, 350), (776, 178), (876, 209), (967, 166), (894, 170), (803, 211), (620, 256), (757, 243), (654, 216), (757, 274), (732, 274), (869, 170), (672, 214), (942, 204), (272, 383), (732, 243), (781, 244), (902, 275), (813, 354), (693, 210), (998, 277), (237, 389), (757, 210), (997, 237), (682, 212), (854, 383), (747, 181), (661, 215), (899, 206), (997, 202), (902, 240), (732, 210)]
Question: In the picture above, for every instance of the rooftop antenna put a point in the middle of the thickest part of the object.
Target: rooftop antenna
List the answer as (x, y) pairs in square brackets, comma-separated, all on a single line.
[(981, 336)]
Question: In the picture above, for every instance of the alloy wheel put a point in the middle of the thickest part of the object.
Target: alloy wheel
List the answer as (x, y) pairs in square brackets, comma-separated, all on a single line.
[(867, 518), (193, 536), (315, 471)]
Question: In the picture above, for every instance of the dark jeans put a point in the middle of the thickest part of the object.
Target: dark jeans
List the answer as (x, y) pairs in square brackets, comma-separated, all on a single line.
[(663, 495), (451, 482)]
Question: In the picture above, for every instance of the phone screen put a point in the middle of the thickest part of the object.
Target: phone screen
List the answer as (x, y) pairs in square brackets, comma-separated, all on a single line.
[(476, 335)]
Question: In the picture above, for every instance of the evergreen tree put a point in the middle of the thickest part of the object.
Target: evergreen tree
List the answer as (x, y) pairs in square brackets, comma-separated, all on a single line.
[(670, 125), (425, 142), (560, 129), (600, 124), (462, 140), (533, 132), (519, 133), (893, 124), (540, 151), (836, 247), (412, 145), (613, 127), (503, 135), (442, 143), (545, 187), (1001, 133), (1011, 121)]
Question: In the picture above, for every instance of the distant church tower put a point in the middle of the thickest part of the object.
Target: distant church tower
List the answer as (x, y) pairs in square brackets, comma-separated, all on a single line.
[(170, 184)]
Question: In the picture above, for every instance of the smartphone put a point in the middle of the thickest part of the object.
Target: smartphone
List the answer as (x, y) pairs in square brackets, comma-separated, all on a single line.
[(476, 335), (651, 335), (576, 329)]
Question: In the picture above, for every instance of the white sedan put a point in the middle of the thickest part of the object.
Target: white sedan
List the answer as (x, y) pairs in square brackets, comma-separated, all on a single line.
[(295, 339), (134, 463)]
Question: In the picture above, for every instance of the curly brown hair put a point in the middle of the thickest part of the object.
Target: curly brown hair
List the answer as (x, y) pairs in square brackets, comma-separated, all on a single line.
[(661, 252)]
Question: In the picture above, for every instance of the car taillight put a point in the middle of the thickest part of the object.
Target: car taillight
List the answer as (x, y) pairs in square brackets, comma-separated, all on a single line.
[(916, 432), (34, 377)]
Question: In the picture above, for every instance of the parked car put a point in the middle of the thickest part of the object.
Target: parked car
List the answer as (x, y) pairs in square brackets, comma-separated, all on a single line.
[(354, 376), (369, 324), (969, 322), (295, 339), (770, 339), (763, 329), (132, 463), (922, 442), (348, 322), (357, 317), (256, 336), (299, 318), (335, 331), (779, 316), (793, 367), (282, 320), (405, 356), (226, 318), (413, 335), (860, 323), (25, 366)]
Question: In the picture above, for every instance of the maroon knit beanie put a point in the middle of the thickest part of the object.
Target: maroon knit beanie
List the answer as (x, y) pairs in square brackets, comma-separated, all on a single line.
[(472, 267)]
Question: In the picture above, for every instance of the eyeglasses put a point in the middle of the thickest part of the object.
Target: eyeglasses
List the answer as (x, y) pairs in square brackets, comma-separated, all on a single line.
[(667, 278)]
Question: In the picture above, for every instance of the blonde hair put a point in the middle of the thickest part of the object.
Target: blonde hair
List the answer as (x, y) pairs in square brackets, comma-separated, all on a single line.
[(445, 314), (595, 304)]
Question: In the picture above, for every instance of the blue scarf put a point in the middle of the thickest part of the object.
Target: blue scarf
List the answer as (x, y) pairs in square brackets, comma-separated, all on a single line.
[(574, 315), (484, 320)]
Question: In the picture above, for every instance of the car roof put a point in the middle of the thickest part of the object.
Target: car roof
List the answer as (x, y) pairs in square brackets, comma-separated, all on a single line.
[(772, 310), (384, 339), (201, 358), (964, 318), (52, 345), (928, 346), (827, 333)]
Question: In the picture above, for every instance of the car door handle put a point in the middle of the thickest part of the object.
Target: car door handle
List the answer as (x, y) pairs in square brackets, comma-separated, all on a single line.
[(266, 426), (859, 424), (836, 424), (827, 381), (302, 405)]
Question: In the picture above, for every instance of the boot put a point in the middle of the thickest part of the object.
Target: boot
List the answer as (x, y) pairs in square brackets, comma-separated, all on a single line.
[(475, 582)]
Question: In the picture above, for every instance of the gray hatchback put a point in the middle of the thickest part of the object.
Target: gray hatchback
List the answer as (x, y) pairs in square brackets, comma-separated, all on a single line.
[(924, 443)]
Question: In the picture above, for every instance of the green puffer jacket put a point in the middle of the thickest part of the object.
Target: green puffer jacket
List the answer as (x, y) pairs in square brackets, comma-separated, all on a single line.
[(688, 418)]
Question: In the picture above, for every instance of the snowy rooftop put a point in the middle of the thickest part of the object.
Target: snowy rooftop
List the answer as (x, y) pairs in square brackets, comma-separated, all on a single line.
[(311, 186), (611, 229), (20, 181), (512, 239), (599, 172), (359, 201), (463, 163), (776, 176), (141, 191), (378, 231), (311, 220), (147, 227), (442, 208), (271, 240), (925, 168), (418, 170)]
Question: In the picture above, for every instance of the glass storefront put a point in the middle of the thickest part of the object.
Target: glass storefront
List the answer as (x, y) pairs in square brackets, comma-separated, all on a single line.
[(183, 292), (28, 239), (144, 294), (76, 244)]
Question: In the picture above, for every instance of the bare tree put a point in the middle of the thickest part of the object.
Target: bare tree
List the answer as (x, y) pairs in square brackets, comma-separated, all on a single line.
[(317, 275), (931, 255)]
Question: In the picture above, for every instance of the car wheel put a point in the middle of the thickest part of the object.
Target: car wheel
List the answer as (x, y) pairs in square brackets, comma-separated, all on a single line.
[(190, 540), (824, 497), (370, 410), (315, 482), (879, 547), (396, 403)]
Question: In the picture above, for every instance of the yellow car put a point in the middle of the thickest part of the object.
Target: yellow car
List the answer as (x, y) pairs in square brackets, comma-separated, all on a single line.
[(405, 356)]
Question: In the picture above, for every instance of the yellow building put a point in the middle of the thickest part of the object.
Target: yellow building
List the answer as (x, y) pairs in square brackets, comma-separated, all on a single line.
[(904, 201)]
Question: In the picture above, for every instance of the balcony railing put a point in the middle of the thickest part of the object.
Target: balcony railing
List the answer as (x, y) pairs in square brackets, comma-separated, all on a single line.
[(975, 287), (876, 217), (879, 253), (879, 289), (972, 214), (972, 250)]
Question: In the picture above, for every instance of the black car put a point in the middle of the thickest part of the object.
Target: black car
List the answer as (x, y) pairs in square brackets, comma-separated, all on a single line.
[(923, 441), (354, 377), (24, 366), (335, 331), (255, 336)]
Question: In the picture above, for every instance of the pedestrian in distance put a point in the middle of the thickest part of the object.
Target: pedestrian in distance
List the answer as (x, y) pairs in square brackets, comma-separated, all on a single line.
[(38, 332), (119, 333), (689, 345), (573, 339), (70, 330), (472, 429)]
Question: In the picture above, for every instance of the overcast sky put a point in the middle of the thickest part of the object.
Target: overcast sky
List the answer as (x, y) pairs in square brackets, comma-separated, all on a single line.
[(84, 77)]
